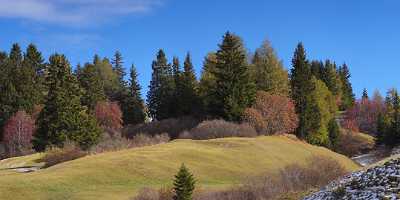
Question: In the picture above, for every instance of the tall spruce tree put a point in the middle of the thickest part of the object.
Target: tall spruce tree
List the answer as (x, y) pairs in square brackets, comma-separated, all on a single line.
[(93, 86), (160, 97), (63, 117), (118, 67), (332, 80), (207, 82), (189, 102), (348, 97), (133, 104), (365, 94), (300, 80), (234, 90), (269, 73), (184, 184)]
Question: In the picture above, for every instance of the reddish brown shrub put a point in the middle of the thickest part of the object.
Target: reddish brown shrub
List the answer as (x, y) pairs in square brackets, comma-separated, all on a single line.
[(272, 114), (108, 115), (54, 156), (18, 132), (152, 194), (363, 116), (219, 129), (173, 127)]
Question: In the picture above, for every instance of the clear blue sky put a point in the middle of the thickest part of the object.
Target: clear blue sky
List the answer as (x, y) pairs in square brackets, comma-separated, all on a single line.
[(364, 34)]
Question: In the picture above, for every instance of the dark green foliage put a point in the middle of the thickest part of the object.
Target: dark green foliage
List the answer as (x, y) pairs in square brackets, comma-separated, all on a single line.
[(300, 78), (119, 68), (388, 123), (334, 132), (187, 95), (365, 94), (331, 78), (90, 81), (317, 68), (109, 78), (184, 184), (207, 82), (63, 117), (233, 90), (268, 71), (133, 105), (161, 95), (348, 97)]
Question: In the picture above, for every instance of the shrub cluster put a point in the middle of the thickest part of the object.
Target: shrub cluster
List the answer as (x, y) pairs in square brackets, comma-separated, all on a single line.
[(116, 142), (352, 143), (55, 155), (219, 129), (173, 127)]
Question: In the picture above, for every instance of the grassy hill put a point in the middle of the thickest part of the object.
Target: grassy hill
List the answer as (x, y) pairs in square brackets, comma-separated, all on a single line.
[(119, 175)]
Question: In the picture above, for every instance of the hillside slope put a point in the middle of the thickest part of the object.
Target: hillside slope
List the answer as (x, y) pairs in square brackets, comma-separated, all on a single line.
[(119, 175)]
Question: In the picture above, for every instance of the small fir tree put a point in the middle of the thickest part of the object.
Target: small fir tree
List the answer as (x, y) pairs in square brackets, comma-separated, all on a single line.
[(184, 184)]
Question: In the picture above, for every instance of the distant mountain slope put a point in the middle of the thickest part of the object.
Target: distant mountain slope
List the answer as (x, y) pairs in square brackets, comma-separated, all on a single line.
[(119, 175)]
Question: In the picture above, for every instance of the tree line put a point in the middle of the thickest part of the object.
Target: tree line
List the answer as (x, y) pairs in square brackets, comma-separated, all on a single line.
[(63, 101)]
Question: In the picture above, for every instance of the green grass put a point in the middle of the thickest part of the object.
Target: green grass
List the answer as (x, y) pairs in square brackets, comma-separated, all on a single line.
[(216, 164)]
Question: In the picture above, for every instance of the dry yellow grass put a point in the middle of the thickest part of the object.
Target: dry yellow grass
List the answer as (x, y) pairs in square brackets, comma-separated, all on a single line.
[(119, 175)]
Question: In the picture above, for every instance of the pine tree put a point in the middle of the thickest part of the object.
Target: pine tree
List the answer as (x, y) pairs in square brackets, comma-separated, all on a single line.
[(162, 89), (189, 101), (332, 80), (63, 117), (234, 90), (348, 97), (269, 73), (119, 68), (317, 68), (184, 184), (365, 94), (108, 76), (301, 86), (93, 86), (207, 82), (133, 104), (319, 111)]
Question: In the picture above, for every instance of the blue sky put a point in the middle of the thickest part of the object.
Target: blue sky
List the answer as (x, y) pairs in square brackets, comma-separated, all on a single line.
[(362, 33)]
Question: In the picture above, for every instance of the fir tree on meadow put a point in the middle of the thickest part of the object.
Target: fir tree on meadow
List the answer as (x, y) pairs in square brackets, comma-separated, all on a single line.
[(63, 117), (118, 67), (184, 184), (133, 111), (331, 79), (234, 90), (300, 80)]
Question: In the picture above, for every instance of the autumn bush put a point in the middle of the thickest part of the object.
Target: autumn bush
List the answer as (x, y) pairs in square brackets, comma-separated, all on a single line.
[(18, 132), (117, 142), (219, 129), (272, 114), (56, 155), (109, 116), (164, 193), (173, 127), (363, 116)]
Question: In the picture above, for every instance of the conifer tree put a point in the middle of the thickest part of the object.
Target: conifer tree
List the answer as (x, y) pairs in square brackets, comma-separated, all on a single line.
[(207, 82), (234, 90), (317, 68), (160, 97), (348, 97), (92, 85), (133, 104), (269, 73), (108, 76), (184, 184), (189, 100), (332, 80), (319, 111), (63, 117), (365, 94), (119, 68), (301, 86)]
